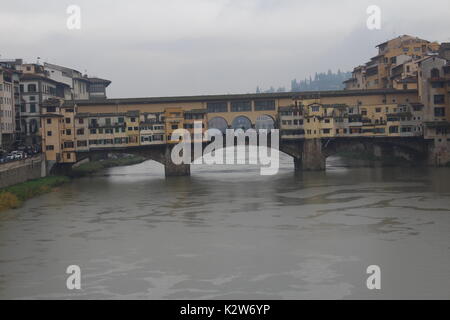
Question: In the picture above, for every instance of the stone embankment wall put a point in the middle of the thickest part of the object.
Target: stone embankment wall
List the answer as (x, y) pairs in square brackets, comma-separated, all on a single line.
[(22, 170)]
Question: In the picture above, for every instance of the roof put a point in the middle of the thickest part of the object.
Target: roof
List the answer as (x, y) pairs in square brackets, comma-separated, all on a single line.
[(107, 114), (51, 115), (215, 98), (99, 80), (196, 111), (403, 37), (30, 76)]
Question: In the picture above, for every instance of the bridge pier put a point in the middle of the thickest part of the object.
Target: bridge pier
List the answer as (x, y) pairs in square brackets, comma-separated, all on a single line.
[(313, 158), (174, 170)]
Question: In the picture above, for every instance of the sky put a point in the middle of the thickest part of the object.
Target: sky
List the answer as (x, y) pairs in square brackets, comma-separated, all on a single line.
[(191, 47)]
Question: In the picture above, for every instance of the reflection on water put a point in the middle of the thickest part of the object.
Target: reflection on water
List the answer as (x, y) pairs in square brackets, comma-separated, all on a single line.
[(227, 232)]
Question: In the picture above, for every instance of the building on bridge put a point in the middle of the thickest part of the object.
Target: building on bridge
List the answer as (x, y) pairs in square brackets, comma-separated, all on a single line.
[(72, 128)]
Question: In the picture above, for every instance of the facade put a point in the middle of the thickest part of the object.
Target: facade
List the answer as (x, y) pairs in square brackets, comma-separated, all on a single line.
[(7, 108), (35, 89), (32, 85), (316, 120), (126, 123), (396, 61)]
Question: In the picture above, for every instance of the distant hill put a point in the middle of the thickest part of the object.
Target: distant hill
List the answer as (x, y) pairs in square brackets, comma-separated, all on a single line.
[(321, 82)]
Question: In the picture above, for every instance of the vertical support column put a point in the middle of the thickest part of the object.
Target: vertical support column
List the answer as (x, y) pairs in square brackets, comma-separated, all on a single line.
[(298, 164), (313, 158), (174, 170)]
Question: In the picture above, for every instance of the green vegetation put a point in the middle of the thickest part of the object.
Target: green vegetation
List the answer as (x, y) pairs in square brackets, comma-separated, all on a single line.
[(13, 196), (94, 166)]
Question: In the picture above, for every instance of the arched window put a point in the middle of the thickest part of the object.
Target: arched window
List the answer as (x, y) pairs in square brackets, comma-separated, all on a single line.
[(265, 122), (218, 123), (434, 73), (241, 122)]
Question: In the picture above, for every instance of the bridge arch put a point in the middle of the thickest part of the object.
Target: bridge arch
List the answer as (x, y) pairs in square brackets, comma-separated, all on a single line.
[(241, 122), (264, 122), (218, 123)]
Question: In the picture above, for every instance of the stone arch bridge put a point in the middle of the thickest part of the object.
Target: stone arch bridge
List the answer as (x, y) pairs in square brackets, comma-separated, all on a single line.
[(308, 154)]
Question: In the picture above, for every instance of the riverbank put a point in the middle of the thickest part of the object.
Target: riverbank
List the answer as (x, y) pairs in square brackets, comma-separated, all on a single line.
[(14, 196), (95, 166)]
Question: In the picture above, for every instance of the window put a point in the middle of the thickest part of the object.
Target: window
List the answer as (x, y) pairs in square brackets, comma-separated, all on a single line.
[(68, 132), (439, 112), (80, 121), (32, 98), (214, 107), (264, 105), (439, 84), (121, 120), (133, 119), (31, 88), (49, 121), (49, 148), (80, 131), (32, 108), (108, 121), (82, 143), (49, 133), (439, 99), (240, 106), (174, 126), (393, 129), (434, 73), (377, 109), (68, 144), (51, 109)]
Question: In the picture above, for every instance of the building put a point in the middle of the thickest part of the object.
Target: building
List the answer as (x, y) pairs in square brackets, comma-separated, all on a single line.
[(36, 87), (81, 86), (395, 65), (7, 116), (97, 87), (32, 84)]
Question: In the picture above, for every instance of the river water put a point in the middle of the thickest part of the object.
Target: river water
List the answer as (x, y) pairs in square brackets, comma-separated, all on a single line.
[(227, 232)]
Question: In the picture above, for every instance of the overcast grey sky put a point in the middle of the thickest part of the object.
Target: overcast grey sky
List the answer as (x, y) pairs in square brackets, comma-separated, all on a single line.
[(188, 47)]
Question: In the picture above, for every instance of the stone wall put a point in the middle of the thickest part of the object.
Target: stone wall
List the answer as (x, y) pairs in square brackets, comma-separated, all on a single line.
[(21, 170)]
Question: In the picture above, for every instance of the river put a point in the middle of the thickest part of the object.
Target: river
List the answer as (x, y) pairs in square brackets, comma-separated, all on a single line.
[(227, 232)]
